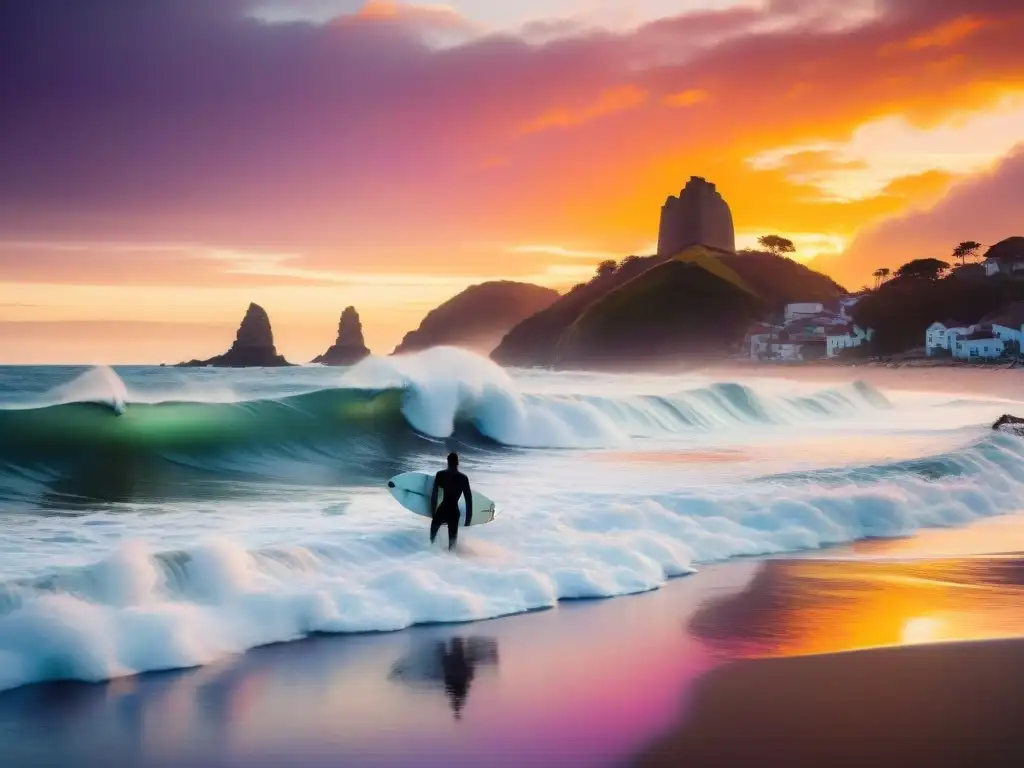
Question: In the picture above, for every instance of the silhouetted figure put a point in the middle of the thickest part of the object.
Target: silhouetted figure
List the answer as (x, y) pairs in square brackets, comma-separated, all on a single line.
[(458, 674), (450, 664), (454, 484)]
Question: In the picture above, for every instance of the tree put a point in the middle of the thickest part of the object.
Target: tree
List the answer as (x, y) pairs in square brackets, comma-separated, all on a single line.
[(922, 269), (880, 275), (606, 267), (776, 245), (968, 249)]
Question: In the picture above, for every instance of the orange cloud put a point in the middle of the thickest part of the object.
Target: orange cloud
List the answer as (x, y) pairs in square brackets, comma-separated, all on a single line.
[(371, 153), (983, 208), (945, 34), (685, 98), (610, 101)]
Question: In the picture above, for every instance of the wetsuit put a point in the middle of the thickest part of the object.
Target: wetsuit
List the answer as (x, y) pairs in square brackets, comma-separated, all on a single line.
[(454, 484)]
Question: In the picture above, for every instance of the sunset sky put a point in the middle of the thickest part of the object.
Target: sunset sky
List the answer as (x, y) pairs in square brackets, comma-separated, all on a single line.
[(165, 162)]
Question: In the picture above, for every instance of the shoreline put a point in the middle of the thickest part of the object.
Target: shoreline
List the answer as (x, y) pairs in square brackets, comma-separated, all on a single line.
[(690, 666)]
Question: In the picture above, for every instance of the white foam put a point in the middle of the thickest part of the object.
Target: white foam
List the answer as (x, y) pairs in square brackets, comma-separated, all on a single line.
[(128, 590), (444, 385), (134, 611)]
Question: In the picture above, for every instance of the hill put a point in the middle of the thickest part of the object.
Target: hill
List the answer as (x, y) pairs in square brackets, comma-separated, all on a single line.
[(903, 308), (478, 317), (697, 303), (645, 320), (534, 340)]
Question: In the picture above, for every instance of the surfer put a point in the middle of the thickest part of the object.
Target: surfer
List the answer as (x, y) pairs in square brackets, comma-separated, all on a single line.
[(454, 484)]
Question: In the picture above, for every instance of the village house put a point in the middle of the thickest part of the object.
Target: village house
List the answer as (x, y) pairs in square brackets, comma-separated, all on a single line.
[(978, 345), (941, 335), (844, 337), (1006, 258), (1008, 325), (811, 330)]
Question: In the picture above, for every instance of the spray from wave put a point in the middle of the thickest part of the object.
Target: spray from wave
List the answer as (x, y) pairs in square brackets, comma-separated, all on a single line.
[(96, 439), (149, 606)]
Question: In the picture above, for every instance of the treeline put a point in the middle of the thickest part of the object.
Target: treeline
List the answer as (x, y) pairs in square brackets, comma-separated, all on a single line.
[(925, 291)]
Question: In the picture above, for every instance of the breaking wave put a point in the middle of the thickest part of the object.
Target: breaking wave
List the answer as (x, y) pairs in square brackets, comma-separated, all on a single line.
[(190, 597), (141, 610), (95, 439)]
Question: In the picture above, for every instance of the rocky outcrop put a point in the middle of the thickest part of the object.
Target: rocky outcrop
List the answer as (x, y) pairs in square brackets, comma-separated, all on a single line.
[(479, 317), (1011, 424), (253, 347), (349, 348), (699, 216)]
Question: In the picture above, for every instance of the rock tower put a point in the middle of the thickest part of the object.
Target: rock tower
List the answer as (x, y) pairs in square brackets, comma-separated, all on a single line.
[(349, 348), (699, 216), (253, 347)]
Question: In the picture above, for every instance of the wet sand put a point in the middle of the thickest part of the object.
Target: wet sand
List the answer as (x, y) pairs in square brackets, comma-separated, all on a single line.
[(750, 662), (938, 705)]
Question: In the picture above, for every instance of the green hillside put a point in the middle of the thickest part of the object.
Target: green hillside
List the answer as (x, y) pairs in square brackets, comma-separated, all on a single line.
[(699, 302), (692, 305)]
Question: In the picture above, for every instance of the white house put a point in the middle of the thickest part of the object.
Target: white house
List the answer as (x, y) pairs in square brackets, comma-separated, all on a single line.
[(1008, 324), (1006, 333), (978, 345), (803, 309), (843, 337), (943, 335)]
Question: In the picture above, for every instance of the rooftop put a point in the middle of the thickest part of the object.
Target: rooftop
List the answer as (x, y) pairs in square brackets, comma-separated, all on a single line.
[(980, 336), (1010, 249)]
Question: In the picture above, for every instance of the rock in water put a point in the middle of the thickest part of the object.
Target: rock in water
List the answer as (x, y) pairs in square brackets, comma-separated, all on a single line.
[(1014, 425), (349, 348), (253, 347)]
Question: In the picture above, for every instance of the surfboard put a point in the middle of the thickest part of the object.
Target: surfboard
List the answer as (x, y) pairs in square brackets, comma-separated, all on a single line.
[(412, 491)]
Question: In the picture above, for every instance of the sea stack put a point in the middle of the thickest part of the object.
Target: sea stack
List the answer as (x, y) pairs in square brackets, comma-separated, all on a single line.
[(699, 216), (253, 347), (349, 348)]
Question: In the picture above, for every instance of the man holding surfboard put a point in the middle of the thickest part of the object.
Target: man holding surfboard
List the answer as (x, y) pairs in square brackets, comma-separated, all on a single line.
[(453, 484)]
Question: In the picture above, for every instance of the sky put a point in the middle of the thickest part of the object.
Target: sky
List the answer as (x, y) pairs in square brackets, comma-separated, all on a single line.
[(166, 162)]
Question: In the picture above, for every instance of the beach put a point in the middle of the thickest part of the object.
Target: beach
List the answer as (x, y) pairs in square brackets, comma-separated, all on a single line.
[(756, 660), (204, 567)]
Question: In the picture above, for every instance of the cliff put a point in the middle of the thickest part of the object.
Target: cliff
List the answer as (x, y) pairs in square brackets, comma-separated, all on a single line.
[(253, 346), (698, 303), (349, 347), (478, 317)]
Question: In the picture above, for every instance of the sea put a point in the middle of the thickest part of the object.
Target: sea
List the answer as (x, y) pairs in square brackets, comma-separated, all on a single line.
[(159, 518)]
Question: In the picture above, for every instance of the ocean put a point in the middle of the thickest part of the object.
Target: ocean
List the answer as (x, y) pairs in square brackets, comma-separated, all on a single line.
[(162, 518)]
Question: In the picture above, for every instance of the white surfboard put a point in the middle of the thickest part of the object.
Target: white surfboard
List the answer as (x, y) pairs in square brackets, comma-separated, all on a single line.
[(412, 491)]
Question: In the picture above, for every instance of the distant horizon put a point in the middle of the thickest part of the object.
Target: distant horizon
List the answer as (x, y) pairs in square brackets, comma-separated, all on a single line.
[(226, 152)]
